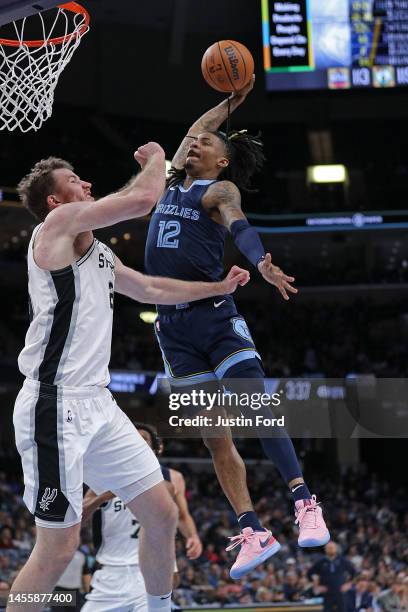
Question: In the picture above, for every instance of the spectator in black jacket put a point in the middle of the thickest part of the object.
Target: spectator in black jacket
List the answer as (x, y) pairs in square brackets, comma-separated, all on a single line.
[(334, 571)]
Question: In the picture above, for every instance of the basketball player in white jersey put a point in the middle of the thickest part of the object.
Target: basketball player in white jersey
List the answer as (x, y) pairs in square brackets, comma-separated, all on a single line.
[(117, 585), (68, 428)]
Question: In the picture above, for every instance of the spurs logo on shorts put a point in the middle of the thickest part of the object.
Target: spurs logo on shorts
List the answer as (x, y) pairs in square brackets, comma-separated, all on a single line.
[(47, 499)]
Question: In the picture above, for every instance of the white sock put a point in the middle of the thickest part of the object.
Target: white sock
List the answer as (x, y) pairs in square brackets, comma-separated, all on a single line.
[(159, 603)]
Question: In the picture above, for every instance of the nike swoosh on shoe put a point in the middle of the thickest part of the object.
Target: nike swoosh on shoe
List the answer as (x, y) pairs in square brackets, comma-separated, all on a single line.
[(265, 543)]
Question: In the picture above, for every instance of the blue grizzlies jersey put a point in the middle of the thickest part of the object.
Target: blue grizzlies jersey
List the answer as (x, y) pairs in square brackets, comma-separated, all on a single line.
[(183, 241)]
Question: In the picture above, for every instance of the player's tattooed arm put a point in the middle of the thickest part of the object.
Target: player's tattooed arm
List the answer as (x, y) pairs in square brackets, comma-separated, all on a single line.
[(171, 291), (210, 122), (225, 197)]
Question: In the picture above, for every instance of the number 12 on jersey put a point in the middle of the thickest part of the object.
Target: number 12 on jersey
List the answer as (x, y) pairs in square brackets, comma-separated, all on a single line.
[(168, 232)]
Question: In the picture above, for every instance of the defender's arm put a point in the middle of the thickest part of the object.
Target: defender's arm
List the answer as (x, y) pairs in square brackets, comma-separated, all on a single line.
[(226, 198), (92, 502), (72, 219), (186, 522), (54, 248), (170, 291), (209, 122)]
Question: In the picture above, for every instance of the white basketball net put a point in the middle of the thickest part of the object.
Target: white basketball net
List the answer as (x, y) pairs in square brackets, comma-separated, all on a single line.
[(29, 75)]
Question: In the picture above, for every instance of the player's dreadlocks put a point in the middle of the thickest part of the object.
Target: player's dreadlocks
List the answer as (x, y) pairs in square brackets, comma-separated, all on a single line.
[(245, 155)]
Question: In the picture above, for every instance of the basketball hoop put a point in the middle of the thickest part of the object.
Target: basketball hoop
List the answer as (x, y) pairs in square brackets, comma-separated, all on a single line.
[(30, 69)]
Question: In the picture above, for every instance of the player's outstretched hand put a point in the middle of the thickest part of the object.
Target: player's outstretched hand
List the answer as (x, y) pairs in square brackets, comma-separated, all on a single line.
[(194, 548), (239, 96), (274, 275), (145, 152), (236, 276)]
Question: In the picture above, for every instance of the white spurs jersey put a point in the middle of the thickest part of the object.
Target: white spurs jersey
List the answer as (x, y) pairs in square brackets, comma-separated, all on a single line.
[(69, 339), (116, 534)]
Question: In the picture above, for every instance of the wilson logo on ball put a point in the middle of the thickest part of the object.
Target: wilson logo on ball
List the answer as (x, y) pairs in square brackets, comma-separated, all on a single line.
[(234, 61)]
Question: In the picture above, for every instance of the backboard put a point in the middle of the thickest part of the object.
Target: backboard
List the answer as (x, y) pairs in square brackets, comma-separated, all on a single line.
[(12, 10)]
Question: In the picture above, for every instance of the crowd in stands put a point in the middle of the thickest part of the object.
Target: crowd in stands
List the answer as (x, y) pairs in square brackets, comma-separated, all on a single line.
[(367, 519), (369, 524)]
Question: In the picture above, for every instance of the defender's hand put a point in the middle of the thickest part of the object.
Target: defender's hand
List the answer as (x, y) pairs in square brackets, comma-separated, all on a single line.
[(239, 96), (236, 276), (194, 548), (274, 275), (144, 153), (107, 496)]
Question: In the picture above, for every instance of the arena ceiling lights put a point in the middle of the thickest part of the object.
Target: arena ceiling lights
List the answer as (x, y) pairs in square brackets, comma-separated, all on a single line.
[(335, 173)]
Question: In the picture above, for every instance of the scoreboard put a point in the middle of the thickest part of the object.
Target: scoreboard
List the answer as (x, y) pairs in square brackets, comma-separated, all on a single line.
[(335, 44)]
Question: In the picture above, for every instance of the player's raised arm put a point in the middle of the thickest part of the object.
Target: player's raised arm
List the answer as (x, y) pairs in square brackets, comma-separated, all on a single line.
[(170, 291), (136, 201), (226, 198), (186, 523), (209, 122)]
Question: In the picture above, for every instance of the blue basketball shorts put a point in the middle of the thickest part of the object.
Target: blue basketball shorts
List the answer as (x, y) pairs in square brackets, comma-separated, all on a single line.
[(201, 342)]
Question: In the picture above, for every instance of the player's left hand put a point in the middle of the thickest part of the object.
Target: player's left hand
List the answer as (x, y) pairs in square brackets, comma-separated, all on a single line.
[(274, 275), (194, 548), (236, 276)]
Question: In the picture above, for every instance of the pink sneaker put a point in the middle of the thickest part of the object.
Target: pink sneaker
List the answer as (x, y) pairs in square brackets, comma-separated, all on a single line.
[(312, 528), (256, 547)]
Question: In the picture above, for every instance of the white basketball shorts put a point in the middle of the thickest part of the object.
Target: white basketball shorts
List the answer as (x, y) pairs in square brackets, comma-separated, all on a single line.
[(68, 436), (117, 589)]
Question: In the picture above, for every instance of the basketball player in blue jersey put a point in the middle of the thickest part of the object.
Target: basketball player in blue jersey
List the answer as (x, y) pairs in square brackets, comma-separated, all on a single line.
[(209, 340)]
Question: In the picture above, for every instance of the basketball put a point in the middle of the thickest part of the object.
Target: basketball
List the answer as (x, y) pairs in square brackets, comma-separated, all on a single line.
[(227, 66)]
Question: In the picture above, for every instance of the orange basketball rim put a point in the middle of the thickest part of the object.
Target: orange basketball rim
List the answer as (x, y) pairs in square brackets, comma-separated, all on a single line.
[(72, 7)]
